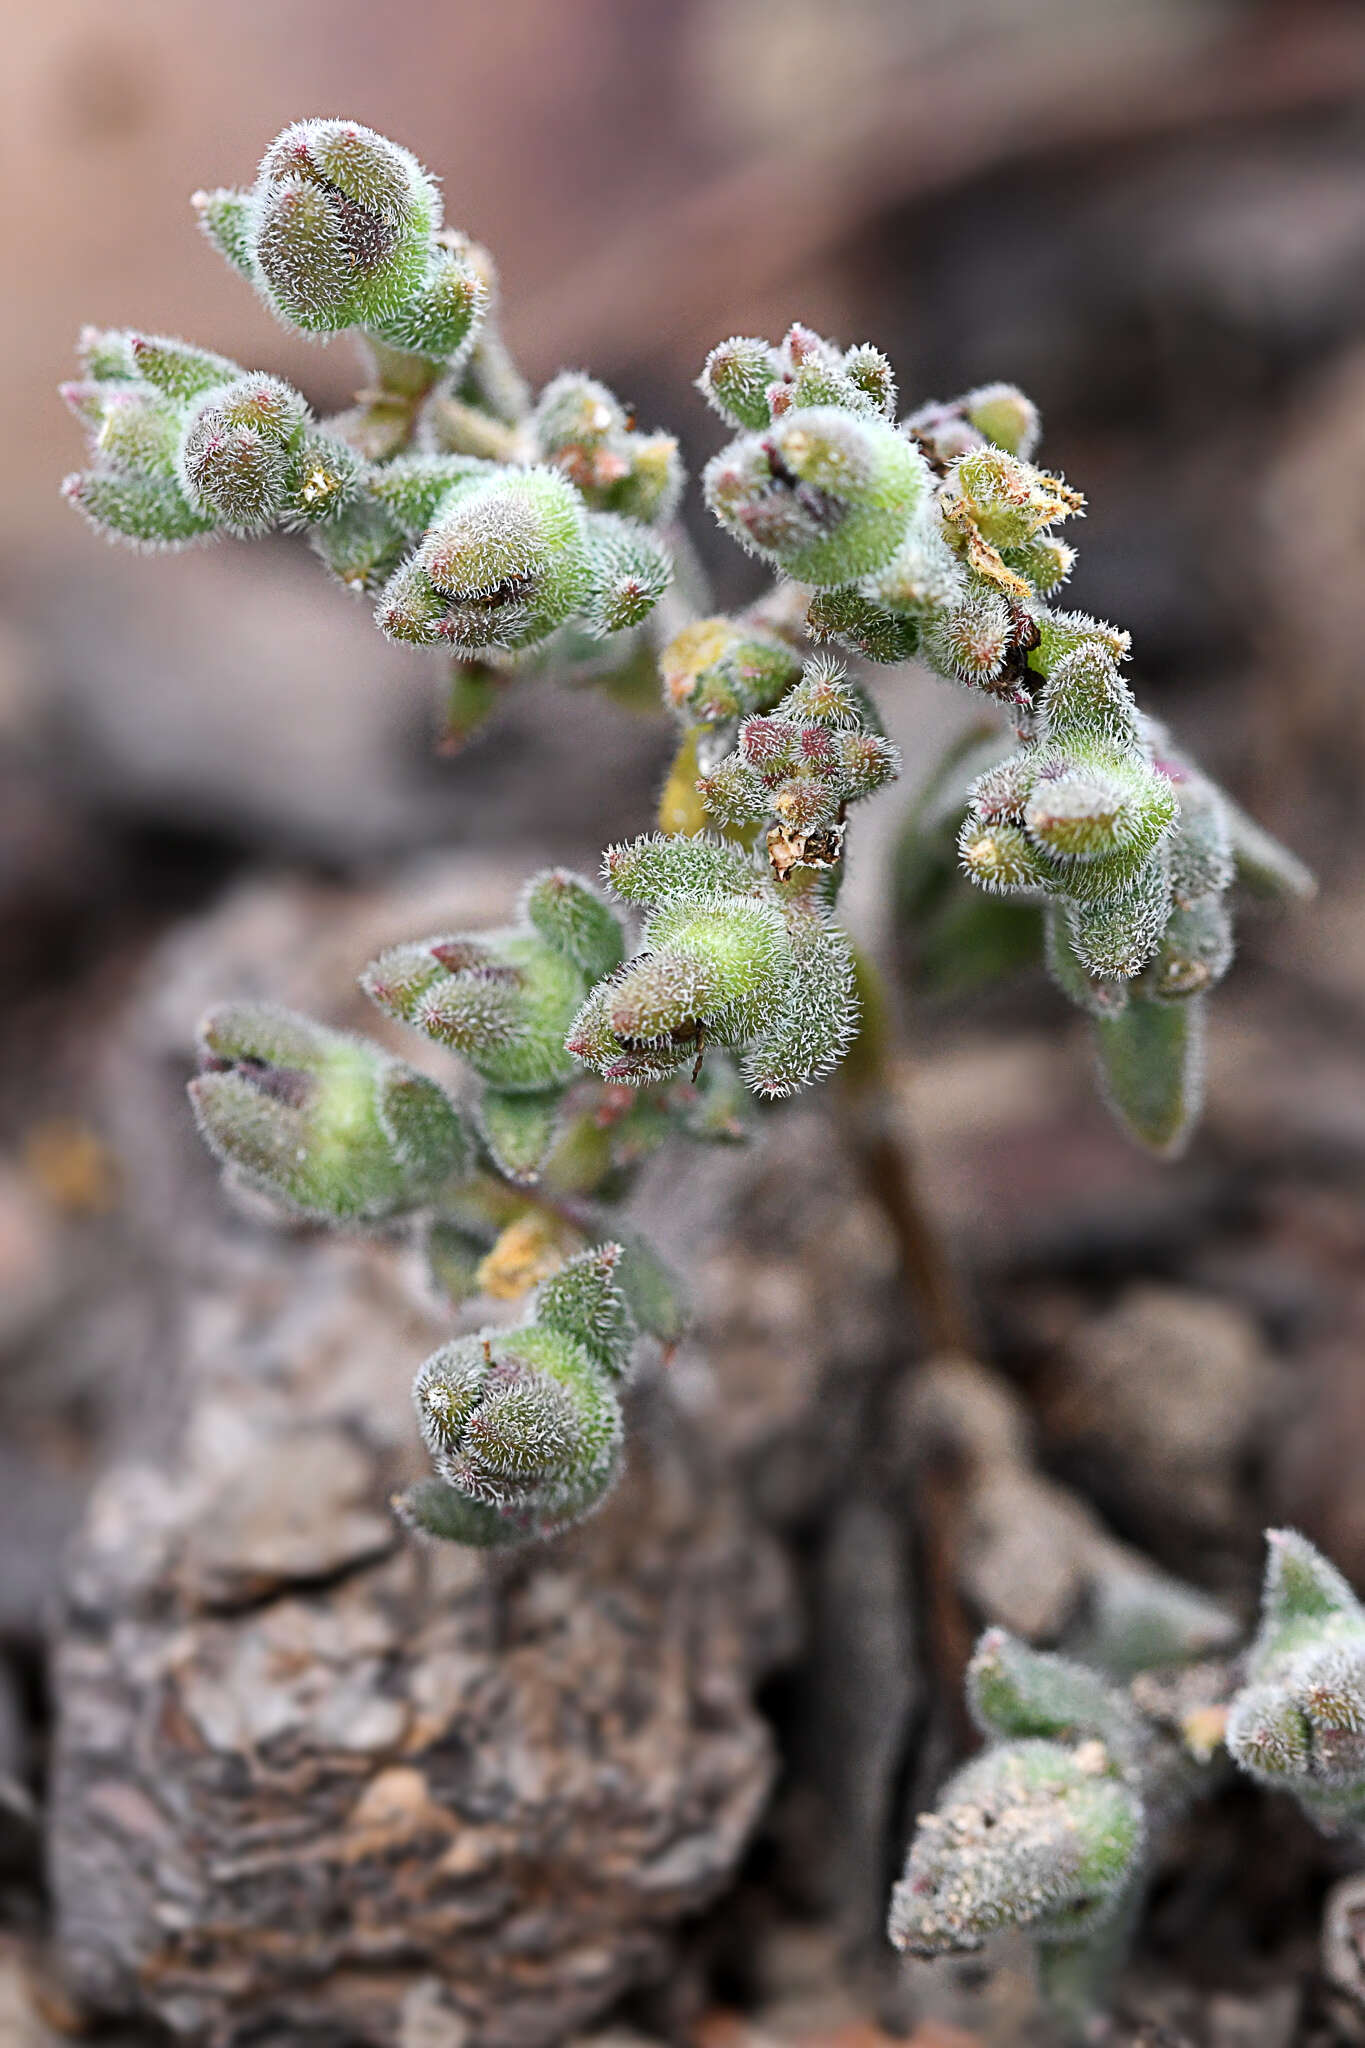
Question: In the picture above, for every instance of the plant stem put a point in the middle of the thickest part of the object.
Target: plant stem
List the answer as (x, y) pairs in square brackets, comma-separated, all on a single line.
[(887, 1163)]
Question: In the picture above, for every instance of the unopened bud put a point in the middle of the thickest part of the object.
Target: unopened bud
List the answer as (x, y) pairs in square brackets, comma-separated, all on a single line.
[(572, 918), (138, 431), (505, 998), (1028, 1835), (653, 869), (1045, 563), (237, 458), (503, 566), (321, 1120), (340, 225), (845, 615), (824, 495), (225, 217), (1116, 935), (582, 428), (1005, 417), (628, 572), (736, 378), (1300, 1721), (721, 668), (1001, 857), (176, 369), (525, 1421), (971, 640)]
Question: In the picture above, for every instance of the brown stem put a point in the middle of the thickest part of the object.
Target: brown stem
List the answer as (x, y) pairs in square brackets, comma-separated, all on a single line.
[(877, 1128), (876, 1125)]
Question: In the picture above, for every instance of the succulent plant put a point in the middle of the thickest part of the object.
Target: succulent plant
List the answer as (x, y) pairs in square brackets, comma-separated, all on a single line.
[(1298, 1724), (527, 533), (1049, 1829)]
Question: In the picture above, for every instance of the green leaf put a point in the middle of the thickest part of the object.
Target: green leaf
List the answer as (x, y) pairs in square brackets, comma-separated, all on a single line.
[(1151, 1059)]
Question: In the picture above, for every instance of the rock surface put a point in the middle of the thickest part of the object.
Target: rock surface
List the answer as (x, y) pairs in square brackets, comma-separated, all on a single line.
[(307, 1775)]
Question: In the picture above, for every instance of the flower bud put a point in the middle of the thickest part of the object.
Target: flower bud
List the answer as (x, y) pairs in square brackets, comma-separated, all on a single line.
[(526, 1421), (238, 454), (665, 996), (818, 1017), (1005, 417), (941, 428), (1085, 701), (736, 378), (504, 565), (823, 495), (1097, 805), (177, 370), (655, 868), (628, 572), (809, 371), (733, 794), (592, 1040), (1045, 563), (1300, 1722), (572, 918), (504, 999), (582, 428), (714, 966), (320, 1120), (924, 573), (1045, 1830), (584, 1299), (440, 316), (1116, 935), (137, 431), (721, 668), (845, 615), (341, 223), (806, 761), (106, 354), (342, 229), (1033, 1835), (1095, 994), (970, 641), (1002, 790), (871, 373), (225, 218), (325, 478), (1000, 857)]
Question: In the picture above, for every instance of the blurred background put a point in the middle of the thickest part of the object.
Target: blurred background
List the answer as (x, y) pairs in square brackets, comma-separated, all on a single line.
[(1149, 213)]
